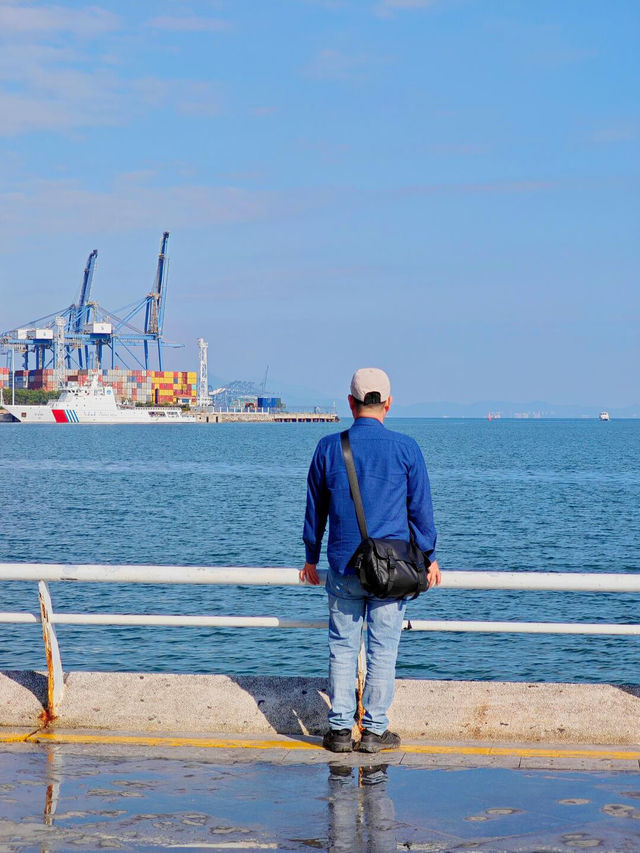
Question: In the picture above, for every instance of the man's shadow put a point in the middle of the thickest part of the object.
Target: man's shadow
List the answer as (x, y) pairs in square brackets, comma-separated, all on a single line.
[(291, 705), (35, 682)]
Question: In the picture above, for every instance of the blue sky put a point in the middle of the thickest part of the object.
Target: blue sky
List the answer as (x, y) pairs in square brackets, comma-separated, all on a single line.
[(445, 188)]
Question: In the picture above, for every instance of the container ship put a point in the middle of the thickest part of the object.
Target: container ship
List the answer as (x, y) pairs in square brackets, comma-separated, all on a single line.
[(94, 403)]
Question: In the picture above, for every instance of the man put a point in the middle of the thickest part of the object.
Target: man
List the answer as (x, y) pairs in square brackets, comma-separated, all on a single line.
[(397, 499)]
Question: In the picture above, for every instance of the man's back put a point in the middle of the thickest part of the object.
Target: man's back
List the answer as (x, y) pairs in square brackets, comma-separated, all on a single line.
[(397, 500), (395, 492)]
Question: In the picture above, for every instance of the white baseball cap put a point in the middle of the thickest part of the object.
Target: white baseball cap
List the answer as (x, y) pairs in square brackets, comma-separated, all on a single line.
[(370, 379)]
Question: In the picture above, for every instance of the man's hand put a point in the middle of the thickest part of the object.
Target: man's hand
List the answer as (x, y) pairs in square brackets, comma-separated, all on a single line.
[(309, 574), (433, 574)]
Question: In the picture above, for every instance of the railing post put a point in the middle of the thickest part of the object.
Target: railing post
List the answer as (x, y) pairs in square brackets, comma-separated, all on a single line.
[(55, 690)]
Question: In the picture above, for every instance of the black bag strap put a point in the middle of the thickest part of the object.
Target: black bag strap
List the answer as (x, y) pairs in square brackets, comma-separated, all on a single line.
[(353, 483)]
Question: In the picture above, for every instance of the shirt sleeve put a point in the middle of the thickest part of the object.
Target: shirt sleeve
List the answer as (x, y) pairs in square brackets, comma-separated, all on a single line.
[(317, 510), (419, 506)]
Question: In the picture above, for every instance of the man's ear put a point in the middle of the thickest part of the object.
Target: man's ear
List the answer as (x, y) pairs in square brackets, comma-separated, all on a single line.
[(387, 404)]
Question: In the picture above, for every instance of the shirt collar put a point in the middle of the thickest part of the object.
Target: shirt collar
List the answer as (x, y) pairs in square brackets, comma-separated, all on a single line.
[(367, 423)]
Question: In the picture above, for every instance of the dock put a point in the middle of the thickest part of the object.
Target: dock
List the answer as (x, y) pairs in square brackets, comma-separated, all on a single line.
[(278, 417), (440, 712), (236, 763)]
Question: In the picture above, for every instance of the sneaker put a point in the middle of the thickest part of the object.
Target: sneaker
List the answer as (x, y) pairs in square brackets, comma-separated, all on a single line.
[(372, 742), (340, 772), (338, 740), (373, 774)]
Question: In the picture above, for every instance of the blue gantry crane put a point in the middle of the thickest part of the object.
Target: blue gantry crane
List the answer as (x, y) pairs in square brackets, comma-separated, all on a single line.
[(154, 315), (79, 315), (89, 328)]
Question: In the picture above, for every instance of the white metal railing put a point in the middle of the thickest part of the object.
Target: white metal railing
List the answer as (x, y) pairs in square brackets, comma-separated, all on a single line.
[(250, 576)]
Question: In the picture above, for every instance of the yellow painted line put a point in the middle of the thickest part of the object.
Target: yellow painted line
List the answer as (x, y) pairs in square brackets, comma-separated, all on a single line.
[(150, 740), (523, 752), (15, 737), (52, 736)]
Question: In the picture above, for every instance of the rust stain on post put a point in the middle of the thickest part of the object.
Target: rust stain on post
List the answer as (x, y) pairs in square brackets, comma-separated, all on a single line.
[(360, 679), (48, 712)]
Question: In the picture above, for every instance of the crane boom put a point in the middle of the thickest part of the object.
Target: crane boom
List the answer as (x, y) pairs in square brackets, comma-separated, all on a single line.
[(79, 313), (154, 319), (82, 311)]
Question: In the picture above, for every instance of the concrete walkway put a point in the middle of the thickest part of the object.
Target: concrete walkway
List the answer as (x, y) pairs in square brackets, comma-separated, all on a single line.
[(437, 711), (281, 750)]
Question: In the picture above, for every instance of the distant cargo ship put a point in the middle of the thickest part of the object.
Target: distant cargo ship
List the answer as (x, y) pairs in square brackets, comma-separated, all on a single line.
[(94, 404)]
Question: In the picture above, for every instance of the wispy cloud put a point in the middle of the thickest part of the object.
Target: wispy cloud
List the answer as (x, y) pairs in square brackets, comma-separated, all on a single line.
[(188, 24), (328, 152), (330, 64), (65, 99), (327, 4), (17, 18), (457, 149), (560, 55), (131, 204), (263, 111), (388, 8), (50, 79), (46, 87), (616, 133), (189, 97), (479, 188)]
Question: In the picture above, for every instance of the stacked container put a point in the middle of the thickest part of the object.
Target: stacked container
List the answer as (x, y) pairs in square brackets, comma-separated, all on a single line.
[(38, 380), (269, 404), (131, 385), (173, 387), (164, 388), (21, 378)]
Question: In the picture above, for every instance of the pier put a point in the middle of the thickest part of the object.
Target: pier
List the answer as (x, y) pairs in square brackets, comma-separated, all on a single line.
[(427, 714), (278, 417), (134, 760), (438, 711)]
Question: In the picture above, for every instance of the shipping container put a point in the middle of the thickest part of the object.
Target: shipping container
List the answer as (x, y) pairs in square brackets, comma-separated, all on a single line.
[(269, 402)]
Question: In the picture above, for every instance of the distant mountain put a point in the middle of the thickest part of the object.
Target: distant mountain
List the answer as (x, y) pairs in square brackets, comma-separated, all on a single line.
[(294, 396), (303, 396)]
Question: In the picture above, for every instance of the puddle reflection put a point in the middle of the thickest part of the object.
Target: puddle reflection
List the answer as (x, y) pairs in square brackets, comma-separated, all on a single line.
[(361, 814), (54, 799), (54, 775)]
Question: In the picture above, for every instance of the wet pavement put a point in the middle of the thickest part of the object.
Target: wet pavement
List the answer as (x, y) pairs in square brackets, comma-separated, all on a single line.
[(75, 797)]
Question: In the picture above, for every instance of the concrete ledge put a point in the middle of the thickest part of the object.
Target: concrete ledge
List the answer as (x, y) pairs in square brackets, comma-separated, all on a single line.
[(439, 711)]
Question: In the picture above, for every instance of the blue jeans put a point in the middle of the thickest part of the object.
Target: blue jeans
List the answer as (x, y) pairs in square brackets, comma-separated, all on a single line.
[(349, 606)]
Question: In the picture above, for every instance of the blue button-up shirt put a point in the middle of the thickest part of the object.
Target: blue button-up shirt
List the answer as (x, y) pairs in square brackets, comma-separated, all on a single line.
[(395, 490)]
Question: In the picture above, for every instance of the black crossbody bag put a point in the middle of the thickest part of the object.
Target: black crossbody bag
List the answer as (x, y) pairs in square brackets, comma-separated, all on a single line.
[(387, 568)]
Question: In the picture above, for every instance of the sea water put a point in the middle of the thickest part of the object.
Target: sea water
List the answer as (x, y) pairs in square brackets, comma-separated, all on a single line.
[(544, 495)]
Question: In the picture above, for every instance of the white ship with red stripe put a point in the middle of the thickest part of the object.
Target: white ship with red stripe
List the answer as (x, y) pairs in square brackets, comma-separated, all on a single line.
[(94, 404)]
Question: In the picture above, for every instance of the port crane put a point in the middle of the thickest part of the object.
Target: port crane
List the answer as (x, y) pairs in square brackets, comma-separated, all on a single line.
[(263, 386), (89, 329), (154, 314), (79, 314)]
